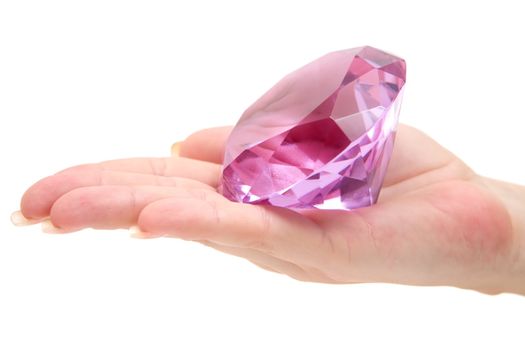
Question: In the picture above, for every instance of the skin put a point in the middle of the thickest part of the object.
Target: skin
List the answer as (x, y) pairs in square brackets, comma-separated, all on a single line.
[(436, 221)]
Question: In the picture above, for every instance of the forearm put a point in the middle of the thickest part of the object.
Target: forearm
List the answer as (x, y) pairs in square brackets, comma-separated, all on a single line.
[(513, 197)]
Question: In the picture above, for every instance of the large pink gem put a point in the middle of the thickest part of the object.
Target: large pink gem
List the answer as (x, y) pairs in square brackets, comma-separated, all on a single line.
[(322, 137)]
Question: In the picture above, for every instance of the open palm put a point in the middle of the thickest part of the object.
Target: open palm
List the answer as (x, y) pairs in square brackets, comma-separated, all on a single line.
[(435, 222)]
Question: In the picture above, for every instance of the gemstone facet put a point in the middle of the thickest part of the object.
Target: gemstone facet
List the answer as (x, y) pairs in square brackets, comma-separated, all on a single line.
[(322, 137)]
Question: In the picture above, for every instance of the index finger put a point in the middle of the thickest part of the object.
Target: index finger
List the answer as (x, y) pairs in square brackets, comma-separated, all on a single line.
[(207, 144)]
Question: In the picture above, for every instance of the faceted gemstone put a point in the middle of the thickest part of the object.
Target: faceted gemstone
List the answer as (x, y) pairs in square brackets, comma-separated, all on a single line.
[(321, 137)]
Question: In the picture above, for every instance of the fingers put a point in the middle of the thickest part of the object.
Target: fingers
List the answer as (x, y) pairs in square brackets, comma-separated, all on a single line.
[(207, 145), (278, 232), (202, 171), (106, 207), (38, 199)]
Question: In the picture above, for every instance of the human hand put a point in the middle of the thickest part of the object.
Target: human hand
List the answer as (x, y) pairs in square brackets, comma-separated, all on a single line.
[(436, 221)]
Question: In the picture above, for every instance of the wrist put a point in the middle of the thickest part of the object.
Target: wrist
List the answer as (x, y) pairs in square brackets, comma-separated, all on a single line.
[(512, 196)]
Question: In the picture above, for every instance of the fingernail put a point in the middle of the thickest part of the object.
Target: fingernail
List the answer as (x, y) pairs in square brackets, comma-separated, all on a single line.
[(175, 148), (48, 227), (18, 219), (136, 232)]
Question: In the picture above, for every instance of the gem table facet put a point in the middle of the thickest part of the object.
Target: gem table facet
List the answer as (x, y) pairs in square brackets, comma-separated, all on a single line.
[(322, 137)]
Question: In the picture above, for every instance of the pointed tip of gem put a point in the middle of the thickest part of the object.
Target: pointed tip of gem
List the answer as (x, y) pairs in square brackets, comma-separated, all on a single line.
[(321, 137)]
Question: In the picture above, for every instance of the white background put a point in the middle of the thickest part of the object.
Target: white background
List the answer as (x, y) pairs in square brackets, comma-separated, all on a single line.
[(83, 81)]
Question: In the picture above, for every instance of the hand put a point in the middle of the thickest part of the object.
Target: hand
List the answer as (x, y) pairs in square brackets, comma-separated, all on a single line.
[(436, 221)]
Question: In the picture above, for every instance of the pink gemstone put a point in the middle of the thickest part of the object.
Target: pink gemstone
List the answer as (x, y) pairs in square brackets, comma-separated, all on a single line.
[(321, 137)]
